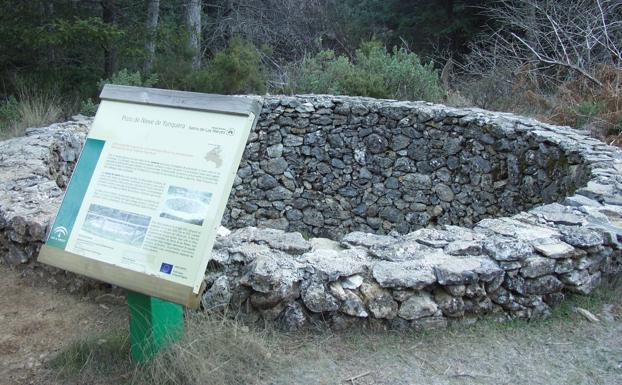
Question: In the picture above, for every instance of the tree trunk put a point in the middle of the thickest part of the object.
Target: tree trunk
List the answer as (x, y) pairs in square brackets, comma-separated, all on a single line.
[(193, 24), (110, 51), (48, 12), (153, 12)]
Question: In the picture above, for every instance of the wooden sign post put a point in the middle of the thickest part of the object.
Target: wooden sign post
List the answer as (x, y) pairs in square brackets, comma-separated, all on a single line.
[(146, 198)]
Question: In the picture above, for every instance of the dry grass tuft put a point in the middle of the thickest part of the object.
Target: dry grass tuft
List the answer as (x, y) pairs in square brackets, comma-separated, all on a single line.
[(34, 107), (215, 350)]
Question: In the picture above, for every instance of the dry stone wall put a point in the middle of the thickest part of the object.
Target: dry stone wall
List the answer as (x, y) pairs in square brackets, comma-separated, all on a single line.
[(326, 166), (514, 266)]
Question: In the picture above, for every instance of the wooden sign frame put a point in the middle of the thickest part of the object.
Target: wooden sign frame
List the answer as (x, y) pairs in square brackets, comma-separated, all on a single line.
[(150, 282)]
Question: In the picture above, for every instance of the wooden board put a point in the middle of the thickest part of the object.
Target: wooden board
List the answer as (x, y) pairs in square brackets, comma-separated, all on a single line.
[(150, 188), (118, 276), (242, 105)]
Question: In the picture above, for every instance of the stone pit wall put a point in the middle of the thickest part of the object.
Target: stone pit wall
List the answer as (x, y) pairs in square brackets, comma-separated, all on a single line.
[(326, 166), (515, 266)]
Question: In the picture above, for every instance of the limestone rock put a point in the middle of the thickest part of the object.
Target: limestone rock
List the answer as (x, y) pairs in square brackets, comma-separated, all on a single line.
[(358, 238), (403, 274), (379, 301), (353, 305), (418, 306), (507, 249), (450, 306), (218, 295), (293, 318), (543, 285), (536, 266), (581, 237), (555, 250), (317, 299), (352, 283)]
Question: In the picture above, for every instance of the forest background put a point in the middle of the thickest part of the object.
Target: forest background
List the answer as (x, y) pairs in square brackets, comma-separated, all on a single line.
[(560, 61)]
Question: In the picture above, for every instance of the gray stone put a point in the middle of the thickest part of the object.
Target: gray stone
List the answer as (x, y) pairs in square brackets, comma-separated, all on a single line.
[(218, 295), (352, 283), (403, 274), (450, 306), (581, 237), (418, 306), (332, 264), (456, 290), (376, 143), (305, 107), (359, 238), (507, 249), (564, 265), (353, 305), (575, 277), (580, 200), (536, 266), (317, 299), (417, 182), (278, 193), (292, 243), (276, 166), (379, 301), (444, 192), (464, 248), (312, 217), (293, 318), (275, 151), (543, 285), (555, 250)]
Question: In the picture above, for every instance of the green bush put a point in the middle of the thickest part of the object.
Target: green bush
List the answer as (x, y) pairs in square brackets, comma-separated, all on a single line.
[(235, 70), (126, 78), (88, 107), (374, 72), (9, 112)]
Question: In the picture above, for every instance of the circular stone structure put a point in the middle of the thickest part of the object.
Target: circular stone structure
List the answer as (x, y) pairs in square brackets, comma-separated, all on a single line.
[(414, 214)]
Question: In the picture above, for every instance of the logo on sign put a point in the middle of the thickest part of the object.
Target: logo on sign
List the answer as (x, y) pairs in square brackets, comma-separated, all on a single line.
[(60, 233), (166, 268)]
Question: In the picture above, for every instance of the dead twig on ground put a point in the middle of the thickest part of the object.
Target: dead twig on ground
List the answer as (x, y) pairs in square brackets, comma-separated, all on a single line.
[(352, 379)]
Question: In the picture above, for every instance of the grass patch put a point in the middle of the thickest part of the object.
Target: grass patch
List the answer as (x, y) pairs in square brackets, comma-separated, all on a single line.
[(564, 348), (214, 350), (106, 355)]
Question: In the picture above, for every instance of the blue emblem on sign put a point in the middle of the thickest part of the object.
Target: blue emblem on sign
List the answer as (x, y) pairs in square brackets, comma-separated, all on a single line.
[(166, 268)]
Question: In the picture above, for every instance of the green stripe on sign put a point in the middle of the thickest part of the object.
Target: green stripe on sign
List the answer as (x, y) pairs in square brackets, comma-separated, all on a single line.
[(78, 184)]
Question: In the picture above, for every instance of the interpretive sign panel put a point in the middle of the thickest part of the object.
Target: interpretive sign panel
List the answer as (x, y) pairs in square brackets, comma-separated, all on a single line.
[(150, 188)]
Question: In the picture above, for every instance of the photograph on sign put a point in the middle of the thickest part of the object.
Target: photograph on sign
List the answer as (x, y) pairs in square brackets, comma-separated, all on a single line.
[(148, 194)]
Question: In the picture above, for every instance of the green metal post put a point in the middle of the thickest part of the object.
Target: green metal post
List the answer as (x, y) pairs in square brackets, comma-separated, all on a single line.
[(154, 323)]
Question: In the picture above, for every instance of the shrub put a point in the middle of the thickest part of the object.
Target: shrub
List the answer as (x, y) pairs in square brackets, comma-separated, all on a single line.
[(126, 78), (373, 72), (586, 110), (88, 107), (9, 113), (235, 70)]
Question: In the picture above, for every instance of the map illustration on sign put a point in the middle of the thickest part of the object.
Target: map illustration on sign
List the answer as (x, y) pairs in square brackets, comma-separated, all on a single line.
[(150, 188), (213, 156)]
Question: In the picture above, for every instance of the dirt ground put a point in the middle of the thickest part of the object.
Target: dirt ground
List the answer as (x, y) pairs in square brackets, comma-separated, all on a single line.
[(38, 322)]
